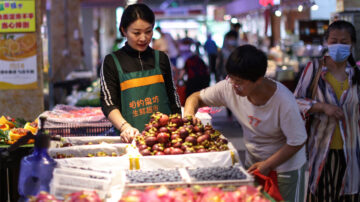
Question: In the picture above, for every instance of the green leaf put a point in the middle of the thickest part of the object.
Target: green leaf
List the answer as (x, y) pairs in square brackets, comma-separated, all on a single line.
[(4, 134), (19, 122)]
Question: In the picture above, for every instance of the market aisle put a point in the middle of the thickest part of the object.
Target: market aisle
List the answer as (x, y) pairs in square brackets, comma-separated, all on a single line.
[(231, 130)]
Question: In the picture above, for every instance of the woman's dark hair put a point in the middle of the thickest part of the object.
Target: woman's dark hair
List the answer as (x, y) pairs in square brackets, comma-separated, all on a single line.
[(349, 28), (134, 12), (247, 62)]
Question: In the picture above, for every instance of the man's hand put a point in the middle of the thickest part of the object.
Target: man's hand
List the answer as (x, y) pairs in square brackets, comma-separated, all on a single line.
[(195, 120), (128, 133), (262, 166)]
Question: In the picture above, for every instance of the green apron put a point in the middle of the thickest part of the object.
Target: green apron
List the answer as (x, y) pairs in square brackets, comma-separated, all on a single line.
[(142, 94)]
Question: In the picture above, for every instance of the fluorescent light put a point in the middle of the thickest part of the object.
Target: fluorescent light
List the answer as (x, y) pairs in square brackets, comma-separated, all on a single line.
[(129, 2), (314, 7), (278, 13)]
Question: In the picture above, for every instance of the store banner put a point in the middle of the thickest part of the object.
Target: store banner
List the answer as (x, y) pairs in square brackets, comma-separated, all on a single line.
[(18, 67), (17, 16)]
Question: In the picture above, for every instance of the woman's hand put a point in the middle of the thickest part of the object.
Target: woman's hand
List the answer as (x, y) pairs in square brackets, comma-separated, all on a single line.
[(262, 166), (128, 133), (333, 110)]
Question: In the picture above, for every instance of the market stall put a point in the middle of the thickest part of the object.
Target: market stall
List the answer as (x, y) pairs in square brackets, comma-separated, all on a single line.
[(172, 155)]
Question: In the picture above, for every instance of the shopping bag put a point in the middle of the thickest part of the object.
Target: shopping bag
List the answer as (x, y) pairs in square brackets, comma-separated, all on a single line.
[(269, 183)]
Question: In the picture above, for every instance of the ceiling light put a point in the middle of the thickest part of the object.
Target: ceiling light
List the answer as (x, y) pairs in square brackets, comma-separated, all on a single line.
[(300, 8), (129, 2), (234, 20), (278, 13), (314, 7)]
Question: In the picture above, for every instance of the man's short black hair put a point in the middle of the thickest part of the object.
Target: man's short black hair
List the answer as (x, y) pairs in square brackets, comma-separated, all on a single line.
[(247, 62)]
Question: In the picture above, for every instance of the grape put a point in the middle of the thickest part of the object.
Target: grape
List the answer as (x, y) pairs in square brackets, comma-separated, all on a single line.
[(154, 176), (216, 173)]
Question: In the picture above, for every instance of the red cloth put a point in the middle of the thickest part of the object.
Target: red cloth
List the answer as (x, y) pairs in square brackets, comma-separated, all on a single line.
[(181, 90), (269, 183)]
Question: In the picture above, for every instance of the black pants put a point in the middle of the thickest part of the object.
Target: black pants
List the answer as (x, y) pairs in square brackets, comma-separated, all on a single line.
[(212, 62)]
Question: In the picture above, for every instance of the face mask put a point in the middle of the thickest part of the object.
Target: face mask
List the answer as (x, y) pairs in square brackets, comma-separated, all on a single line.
[(339, 52), (232, 42)]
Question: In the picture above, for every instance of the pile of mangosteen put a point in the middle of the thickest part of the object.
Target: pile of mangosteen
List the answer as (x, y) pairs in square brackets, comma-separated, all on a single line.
[(171, 134)]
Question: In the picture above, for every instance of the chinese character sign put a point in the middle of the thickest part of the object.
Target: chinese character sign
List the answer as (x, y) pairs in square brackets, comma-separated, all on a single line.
[(18, 67), (17, 16), (144, 106)]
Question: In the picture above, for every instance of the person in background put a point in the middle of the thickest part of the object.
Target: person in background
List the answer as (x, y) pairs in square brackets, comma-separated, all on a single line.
[(171, 47), (334, 140), (241, 40), (273, 129), (230, 43), (198, 76), (212, 51), (136, 80), (185, 46)]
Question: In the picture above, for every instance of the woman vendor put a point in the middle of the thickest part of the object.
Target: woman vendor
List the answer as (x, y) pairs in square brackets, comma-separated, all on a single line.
[(136, 80)]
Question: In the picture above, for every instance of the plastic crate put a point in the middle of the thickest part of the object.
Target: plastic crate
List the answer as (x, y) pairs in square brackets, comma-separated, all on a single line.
[(68, 121), (71, 131)]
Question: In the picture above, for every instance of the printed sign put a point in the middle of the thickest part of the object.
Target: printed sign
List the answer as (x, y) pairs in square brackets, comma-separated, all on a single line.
[(17, 16), (18, 67)]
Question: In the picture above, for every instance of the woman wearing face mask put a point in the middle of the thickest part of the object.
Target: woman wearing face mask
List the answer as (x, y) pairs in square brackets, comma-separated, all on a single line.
[(136, 81), (334, 136)]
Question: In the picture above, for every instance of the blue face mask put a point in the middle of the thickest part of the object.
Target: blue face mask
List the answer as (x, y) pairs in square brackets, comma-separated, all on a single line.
[(339, 52)]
